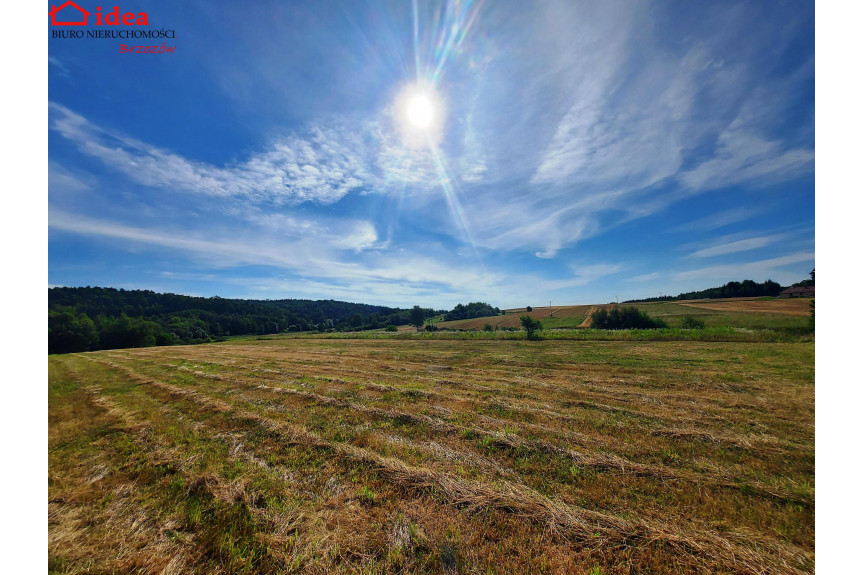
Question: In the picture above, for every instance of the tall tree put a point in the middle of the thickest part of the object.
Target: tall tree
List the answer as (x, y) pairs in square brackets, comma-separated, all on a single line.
[(418, 316)]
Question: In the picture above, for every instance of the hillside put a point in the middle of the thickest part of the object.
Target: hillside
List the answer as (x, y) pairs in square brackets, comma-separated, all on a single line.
[(92, 318), (750, 313)]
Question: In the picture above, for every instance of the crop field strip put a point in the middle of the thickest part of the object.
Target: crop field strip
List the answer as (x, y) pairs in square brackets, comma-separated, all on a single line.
[(516, 449)]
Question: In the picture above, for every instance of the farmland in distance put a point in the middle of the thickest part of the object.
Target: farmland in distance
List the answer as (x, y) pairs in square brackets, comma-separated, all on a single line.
[(433, 456)]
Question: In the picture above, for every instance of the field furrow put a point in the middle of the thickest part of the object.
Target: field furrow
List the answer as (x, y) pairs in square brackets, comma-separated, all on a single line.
[(339, 456)]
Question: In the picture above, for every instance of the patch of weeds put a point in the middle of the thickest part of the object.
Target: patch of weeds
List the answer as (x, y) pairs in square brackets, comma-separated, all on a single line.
[(670, 457), (486, 443), (366, 495), (468, 434), (194, 511), (572, 473)]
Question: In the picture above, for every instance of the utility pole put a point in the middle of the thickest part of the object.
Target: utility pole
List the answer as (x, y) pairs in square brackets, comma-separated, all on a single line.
[(550, 311)]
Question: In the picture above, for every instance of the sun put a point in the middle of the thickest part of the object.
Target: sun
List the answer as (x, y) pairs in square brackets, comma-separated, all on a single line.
[(419, 112)]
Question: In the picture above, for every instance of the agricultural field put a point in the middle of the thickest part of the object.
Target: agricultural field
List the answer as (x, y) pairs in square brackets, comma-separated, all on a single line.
[(556, 316), (747, 313), (319, 455)]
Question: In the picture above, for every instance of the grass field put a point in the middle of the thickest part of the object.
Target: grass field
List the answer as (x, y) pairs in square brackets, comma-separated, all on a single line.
[(433, 456), (748, 313)]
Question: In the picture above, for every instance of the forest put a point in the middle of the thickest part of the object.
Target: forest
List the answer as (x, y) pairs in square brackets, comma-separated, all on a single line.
[(93, 318)]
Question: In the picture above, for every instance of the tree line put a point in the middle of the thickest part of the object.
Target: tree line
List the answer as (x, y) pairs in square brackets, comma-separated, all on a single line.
[(746, 288), (471, 310), (93, 318)]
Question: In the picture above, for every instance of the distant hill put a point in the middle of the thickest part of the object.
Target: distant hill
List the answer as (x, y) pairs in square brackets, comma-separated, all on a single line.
[(746, 288), (91, 318)]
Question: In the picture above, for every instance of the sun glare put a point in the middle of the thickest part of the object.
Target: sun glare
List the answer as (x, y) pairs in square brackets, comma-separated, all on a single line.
[(419, 112)]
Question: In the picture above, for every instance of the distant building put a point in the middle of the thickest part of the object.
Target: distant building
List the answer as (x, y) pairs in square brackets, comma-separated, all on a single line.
[(808, 291)]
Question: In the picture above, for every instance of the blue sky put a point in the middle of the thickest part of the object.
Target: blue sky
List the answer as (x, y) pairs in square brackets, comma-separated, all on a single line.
[(579, 152)]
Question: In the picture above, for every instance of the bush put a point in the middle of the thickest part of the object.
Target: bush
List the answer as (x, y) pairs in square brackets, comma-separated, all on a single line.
[(624, 318), (531, 326), (487, 327), (431, 327), (690, 322), (529, 309), (391, 328)]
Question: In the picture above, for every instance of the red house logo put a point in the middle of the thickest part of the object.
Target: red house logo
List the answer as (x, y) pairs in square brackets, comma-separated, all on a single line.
[(56, 9)]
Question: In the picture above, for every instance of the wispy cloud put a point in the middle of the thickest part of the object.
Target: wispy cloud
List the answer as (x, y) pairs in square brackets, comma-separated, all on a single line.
[(743, 156), (758, 270), (720, 219), (57, 63), (322, 166), (747, 244), (307, 252), (585, 274), (645, 277)]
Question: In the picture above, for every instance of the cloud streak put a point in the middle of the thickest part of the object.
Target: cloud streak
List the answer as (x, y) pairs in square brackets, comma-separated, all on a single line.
[(321, 167), (747, 244)]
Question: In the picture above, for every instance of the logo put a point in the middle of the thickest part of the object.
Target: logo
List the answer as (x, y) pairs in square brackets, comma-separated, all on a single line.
[(112, 18), (69, 13)]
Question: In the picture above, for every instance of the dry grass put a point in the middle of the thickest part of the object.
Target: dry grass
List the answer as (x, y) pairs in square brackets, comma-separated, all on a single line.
[(329, 456), (795, 307), (511, 319)]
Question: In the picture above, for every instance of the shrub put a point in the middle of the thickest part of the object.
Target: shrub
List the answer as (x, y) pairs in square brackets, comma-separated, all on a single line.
[(487, 327), (528, 308), (431, 327), (690, 322), (391, 328), (624, 318), (531, 326)]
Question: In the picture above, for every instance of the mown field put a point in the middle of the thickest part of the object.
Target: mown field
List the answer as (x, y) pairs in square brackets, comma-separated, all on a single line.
[(747, 313), (433, 456)]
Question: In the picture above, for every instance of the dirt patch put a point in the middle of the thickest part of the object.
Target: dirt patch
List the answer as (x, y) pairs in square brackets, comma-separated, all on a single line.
[(588, 317)]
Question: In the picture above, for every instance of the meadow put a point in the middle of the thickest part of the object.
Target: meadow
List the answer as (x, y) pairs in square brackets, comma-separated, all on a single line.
[(746, 313), (433, 455)]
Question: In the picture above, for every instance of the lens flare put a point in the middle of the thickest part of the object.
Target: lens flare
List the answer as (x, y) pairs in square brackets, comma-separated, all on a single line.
[(420, 111), (419, 114)]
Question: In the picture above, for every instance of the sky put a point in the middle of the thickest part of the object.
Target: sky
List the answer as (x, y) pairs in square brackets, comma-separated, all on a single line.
[(571, 152)]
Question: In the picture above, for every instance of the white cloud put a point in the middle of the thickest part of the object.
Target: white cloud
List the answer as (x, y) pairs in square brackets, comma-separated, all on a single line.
[(747, 244), (744, 157), (719, 219), (311, 251), (758, 270), (584, 274), (63, 181), (322, 167), (54, 61), (645, 277)]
